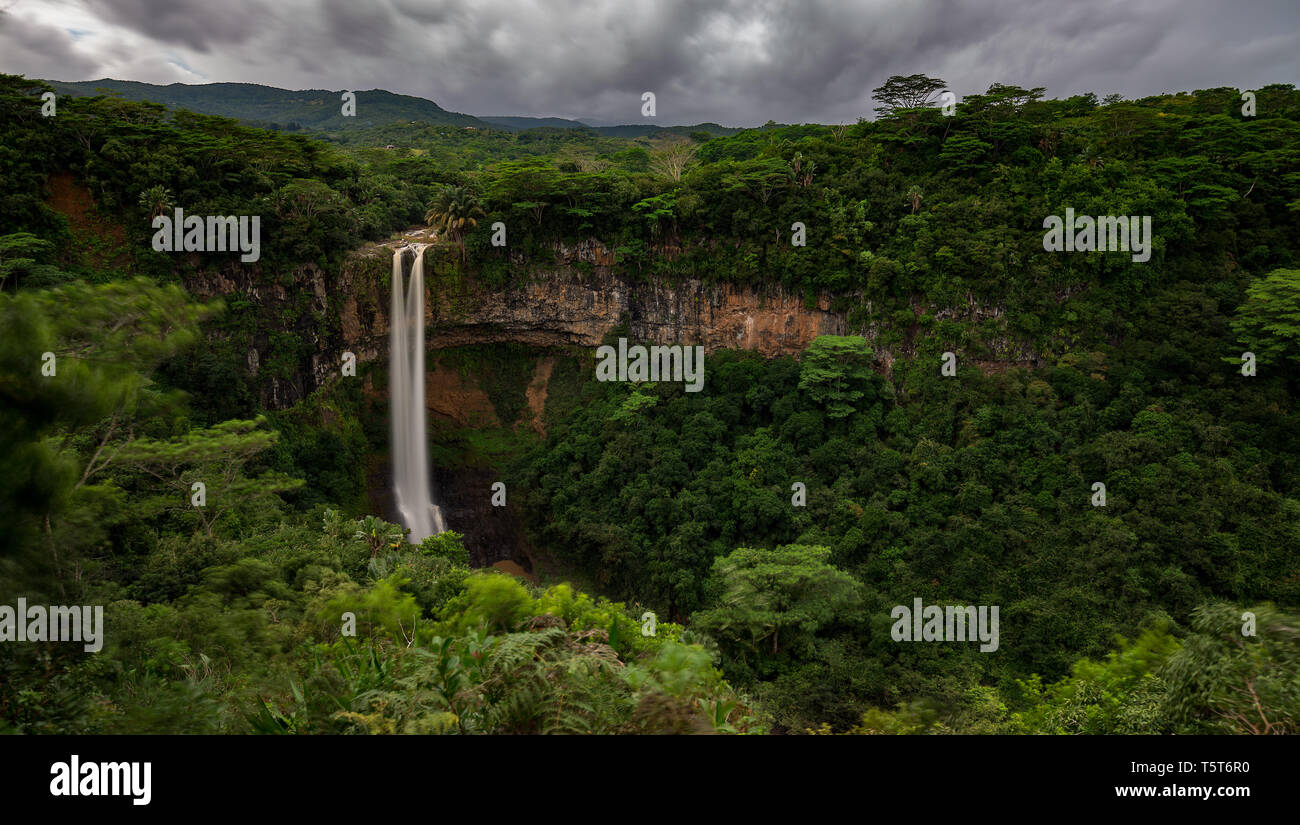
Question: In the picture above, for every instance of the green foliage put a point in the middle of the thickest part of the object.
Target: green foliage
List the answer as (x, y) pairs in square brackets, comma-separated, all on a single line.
[(1122, 695), (975, 490), (550, 674), (214, 457), (102, 342), (378, 534), (765, 593), (19, 256), (447, 546), (1268, 323), (1223, 681), (493, 600), (836, 373)]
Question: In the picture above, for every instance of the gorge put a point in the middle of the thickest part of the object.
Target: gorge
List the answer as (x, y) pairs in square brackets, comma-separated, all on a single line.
[(547, 326)]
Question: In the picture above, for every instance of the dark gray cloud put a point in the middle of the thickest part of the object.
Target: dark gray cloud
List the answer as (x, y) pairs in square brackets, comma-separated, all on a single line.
[(732, 61), (358, 28), (201, 25)]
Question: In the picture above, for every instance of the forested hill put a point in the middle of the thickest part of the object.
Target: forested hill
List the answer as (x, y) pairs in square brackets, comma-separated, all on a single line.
[(631, 130), (267, 106), (515, 123), (320, 110), (772, 521)]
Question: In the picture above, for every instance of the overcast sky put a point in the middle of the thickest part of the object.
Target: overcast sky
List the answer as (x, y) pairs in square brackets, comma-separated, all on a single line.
[(736, 62)]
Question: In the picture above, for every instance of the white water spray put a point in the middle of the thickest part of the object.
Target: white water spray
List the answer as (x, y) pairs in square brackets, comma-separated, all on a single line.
[(406, 386)]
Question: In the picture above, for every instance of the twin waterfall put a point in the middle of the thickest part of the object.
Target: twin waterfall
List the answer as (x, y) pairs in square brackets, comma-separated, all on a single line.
[(406, 397)]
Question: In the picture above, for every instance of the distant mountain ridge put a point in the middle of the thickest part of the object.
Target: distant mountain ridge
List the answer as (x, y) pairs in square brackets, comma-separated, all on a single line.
[(321, 109), (628, 130), (516, 123), (636, 130), (260, 105)]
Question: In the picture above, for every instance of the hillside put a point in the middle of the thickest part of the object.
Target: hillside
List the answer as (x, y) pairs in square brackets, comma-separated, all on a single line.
[(636, 130), (518, 123), (266, 106), (320, 110)]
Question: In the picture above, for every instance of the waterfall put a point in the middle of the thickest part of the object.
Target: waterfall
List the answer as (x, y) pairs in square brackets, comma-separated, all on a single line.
[(406, 397)]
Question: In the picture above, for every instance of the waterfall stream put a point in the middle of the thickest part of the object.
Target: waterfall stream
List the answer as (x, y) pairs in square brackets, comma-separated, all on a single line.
[(410, 449)]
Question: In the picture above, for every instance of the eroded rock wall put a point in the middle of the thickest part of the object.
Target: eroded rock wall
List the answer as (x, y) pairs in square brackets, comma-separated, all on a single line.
[(572, 305), (576, 301)]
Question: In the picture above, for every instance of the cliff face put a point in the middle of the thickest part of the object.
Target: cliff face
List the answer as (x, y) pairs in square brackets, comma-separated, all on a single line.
[(301, 310), (578, 301)]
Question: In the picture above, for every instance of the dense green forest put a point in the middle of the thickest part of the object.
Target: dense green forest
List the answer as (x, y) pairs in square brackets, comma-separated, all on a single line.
[(971, 489)]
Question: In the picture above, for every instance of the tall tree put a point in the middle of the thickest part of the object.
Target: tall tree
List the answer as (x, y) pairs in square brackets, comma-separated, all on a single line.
[(1269, 321), (215, 457), (671, 158), (157, 200), (836, 373), (906, 92), (74, 365), (765, 593)]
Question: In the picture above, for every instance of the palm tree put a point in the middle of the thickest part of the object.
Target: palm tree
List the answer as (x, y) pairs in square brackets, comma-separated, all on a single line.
[(454, 211), (378, 533), (801, 171), (915, 195), (157, 199)]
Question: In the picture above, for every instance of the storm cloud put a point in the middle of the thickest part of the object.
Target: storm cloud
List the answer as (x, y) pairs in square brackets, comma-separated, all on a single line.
[(737, 63)]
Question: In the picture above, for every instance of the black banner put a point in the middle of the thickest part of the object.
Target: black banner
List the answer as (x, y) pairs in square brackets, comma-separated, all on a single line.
[(132, 776)]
